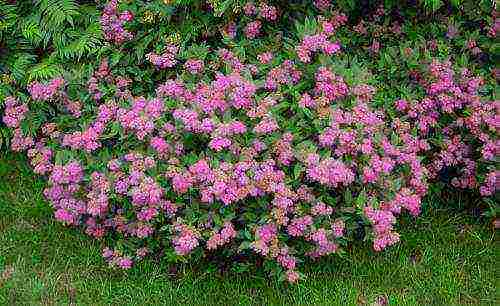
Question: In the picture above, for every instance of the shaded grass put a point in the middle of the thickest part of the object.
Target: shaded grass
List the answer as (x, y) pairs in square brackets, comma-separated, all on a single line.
[(445, 258)]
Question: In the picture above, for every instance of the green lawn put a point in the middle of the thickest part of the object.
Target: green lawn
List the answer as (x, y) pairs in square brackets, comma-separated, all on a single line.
[(445, 258)]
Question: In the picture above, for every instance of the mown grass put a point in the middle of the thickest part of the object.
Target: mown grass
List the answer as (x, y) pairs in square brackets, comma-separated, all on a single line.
[(445, 258)]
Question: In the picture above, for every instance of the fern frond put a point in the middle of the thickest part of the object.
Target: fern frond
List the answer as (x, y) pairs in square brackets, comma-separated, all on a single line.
[(8, 15), (433, 5), (56, 15), (19, 65), (57, 12), (86, 43), (30, 30), (44, 71)]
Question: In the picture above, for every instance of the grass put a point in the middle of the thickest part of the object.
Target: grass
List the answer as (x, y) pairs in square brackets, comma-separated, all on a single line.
[(445, 258)]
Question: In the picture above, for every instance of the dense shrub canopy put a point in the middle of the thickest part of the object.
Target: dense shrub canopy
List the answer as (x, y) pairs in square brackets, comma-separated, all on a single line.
[(282, 130)]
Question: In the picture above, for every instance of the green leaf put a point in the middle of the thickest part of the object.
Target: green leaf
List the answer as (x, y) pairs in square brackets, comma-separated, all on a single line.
[(297, 170), (361, 200), (348, 199)]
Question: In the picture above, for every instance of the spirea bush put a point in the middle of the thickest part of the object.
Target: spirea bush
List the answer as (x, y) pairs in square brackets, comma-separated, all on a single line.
[(281, 130)]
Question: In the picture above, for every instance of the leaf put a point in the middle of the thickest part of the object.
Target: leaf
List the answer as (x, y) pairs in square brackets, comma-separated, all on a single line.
[(309, 27), (361, 200), (433, 5), (44, 71), (31, 31), (87, 43), (20, 64), (297, 170), (245, 245), (348, 197), (307, 112), (57, 12)]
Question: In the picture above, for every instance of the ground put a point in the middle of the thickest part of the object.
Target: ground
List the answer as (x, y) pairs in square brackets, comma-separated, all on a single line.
[(446, 257)]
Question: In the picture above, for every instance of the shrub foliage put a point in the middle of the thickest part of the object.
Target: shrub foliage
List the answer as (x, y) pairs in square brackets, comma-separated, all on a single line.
[(281, 130)]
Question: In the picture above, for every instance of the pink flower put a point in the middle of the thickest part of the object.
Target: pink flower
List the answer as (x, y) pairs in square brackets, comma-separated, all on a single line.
[(181, 183), (64, 216), (252, 29), (322, 5), (292, 276), (249, 9), (226, 234), (45, 92), (298, 226), (284, 74), (330, 172), (286, 261), (185, 241), (268, 12), (338, 228), (382, 226), (112, 23), (14, 112), (218, 144), (167, 59), (266, 126), (491, 184), (401, 105), (306, 101), (313, 43), (265, 57), (159, 145), (321, 209), (194, 66), (125, 263), (264, 234)]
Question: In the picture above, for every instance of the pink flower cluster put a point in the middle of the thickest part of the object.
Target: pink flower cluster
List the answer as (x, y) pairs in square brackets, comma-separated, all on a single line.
[(382, 221), (314, 43), (264, 11), (268, 12), (20, 142), (88, 139), (226, 234), (324, 245), (330, 172), (40, 158), (252, 29), (103, 78), (194, 66), (491, 184), (284, 74), (265, 58), (449, 93), (299, 226), (112, 23), (185, 240), (45, 92), (15, 112), (64, 184), (141, 116), (266, 236), (100, 187), (283, 149), (166, 60), (321, 41), (329, 85), (116, 259), (322, 5)]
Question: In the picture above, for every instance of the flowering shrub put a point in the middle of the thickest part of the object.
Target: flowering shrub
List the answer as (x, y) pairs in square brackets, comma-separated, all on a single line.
[(261, 138)]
